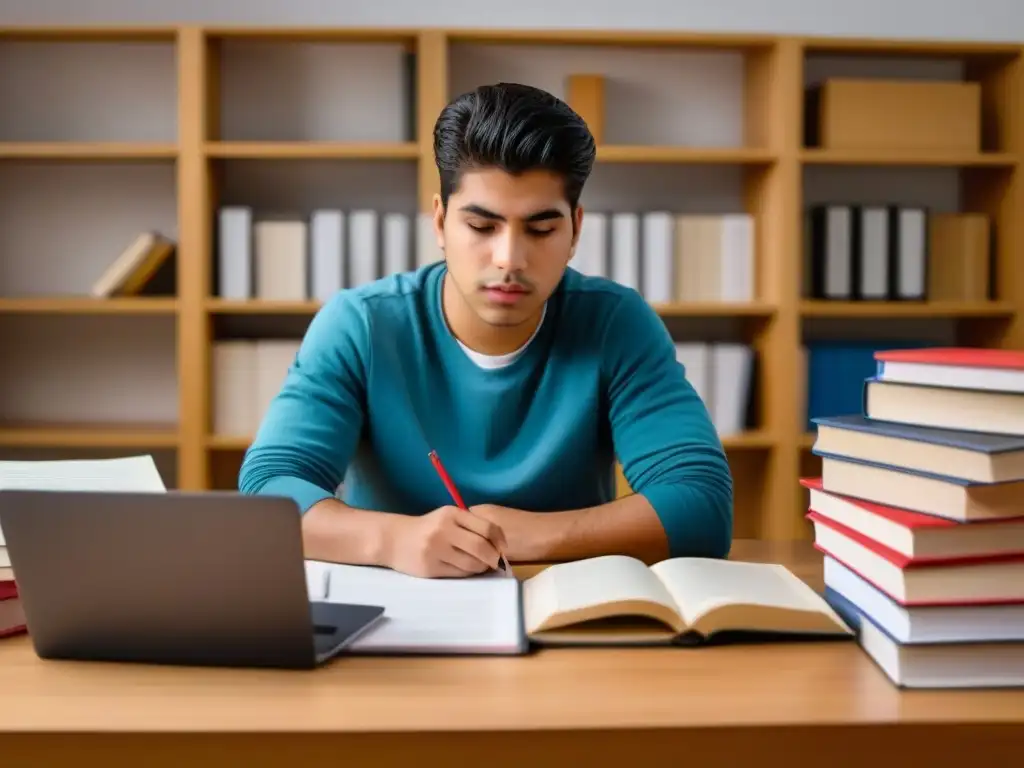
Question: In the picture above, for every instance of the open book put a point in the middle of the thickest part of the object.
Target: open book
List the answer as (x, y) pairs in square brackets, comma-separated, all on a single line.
[(610, 600), (620, 600)]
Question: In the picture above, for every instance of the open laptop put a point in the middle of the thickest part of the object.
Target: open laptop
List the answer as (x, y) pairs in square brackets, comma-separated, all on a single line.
[(207, 579)]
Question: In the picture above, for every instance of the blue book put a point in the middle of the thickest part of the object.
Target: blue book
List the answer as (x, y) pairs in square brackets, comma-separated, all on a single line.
[(836, 370), (929, 493), (978, 457)]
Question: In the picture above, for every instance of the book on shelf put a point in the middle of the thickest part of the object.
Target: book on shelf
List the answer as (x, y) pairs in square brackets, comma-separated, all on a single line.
[(279, 256), (921, 525), (832, 373), (136, 266), (610, 600), (859, 252), (723, 375), (669, 257), (666, 257), (247, 375)]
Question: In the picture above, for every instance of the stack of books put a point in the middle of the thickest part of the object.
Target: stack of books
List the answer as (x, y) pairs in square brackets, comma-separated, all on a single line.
[(919, 515)]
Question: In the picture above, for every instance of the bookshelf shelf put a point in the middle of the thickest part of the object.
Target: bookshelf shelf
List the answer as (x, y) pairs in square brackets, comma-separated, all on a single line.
[(715, 309), (210, 107), (261, 307), (890, 309), (79, 150), (88, 436), (613, 38), (61, 305), (612, 153), (312, 150), (909, 158)]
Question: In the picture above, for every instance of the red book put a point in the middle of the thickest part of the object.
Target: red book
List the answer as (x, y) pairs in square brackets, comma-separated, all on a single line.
[(916, 536), (995, 370), (995, 580), (12, 617), (959, 357)]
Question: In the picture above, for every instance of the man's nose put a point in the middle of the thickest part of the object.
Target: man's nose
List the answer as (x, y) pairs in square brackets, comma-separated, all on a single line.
[(510, 251)]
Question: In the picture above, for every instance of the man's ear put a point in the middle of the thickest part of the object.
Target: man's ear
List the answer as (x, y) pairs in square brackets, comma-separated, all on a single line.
[(577, 225), (439, 220)]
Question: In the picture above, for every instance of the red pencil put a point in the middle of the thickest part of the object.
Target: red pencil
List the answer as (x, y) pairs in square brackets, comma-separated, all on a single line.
[(457, 498)]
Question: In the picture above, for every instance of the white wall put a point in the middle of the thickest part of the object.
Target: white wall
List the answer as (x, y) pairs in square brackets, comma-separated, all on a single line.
[(980, 19)]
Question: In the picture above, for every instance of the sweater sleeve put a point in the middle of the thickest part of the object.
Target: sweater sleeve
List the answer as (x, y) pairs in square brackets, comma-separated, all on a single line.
[(311, 428), (663, 435)]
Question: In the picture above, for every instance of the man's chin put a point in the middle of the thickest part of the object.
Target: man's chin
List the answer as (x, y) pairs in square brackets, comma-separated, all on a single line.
[(505, 317)]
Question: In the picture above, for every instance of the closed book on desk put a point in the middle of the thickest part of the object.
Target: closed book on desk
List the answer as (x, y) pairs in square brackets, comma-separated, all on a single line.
[(617, 600)]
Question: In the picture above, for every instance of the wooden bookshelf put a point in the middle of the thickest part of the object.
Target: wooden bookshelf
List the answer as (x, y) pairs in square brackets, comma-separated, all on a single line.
[(187, 166)]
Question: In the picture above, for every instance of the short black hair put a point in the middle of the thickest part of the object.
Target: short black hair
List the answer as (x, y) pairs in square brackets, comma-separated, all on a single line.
[(516, 128)]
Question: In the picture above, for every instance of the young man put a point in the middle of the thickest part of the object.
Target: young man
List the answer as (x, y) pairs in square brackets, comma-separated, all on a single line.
[(526, 377)]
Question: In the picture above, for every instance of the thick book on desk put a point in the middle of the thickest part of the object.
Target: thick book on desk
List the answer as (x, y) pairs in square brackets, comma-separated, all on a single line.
[(617, 600), (612, 600)]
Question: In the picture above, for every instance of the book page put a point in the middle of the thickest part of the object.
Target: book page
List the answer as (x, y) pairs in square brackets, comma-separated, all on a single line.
[(129, 474), (479, 614), (755, 596), (598, 587)]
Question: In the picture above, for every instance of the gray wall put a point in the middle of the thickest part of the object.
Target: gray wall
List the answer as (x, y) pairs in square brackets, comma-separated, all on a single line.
[(964, 19)]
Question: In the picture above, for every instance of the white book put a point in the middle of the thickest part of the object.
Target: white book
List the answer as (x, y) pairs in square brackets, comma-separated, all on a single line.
[(273, 359), (658, 244), (911, 256), (591, 257), (736, 273), (993, 664), (234, 252), (838, 254), (281, 259), (922, 624), (731, 373), (874, 253), (130, 474), (688, 245), (326, 253), (234, 388), (427, 249), (397, 245), (363, 247), (695, 357), (625, 249)]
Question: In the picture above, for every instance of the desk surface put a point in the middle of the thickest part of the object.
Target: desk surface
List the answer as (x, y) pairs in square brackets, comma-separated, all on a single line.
[(710, 694)]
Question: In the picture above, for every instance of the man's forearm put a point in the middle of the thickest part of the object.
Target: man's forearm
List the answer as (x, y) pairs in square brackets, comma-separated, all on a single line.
[(627, 526), (335, 532)]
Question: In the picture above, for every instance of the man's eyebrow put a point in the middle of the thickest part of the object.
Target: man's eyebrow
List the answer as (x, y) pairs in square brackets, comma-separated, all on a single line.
[(546, 214)]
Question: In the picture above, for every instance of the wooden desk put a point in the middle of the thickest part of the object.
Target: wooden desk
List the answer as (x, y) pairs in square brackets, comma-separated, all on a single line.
[(793, 704)]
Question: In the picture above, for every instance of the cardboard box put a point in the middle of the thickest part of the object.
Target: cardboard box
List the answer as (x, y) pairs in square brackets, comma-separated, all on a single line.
[(585, 94), (874, 114), (959, 251)]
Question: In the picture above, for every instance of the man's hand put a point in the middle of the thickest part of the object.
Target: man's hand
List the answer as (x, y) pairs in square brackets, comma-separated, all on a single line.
[(448, 542), (530, 535)]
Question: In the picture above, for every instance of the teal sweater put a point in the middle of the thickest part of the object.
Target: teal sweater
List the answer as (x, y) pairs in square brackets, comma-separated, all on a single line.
[(380, 380)]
